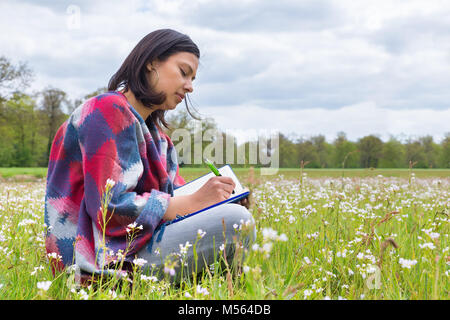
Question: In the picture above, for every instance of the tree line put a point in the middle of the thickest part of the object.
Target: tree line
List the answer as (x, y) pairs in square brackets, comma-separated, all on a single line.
[(28, 124)]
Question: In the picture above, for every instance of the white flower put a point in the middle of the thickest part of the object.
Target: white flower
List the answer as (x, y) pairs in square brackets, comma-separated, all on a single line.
[(267, 247), (246, 269), (187, 295), (201, 233), (307, 261), (269, 234), (407, 263), (307, 293), (36, 269), (44, 285), (255, 247), (169, 270), (222, 247), (148, 278), (54, 255), (202, 291), (283, 237), (139, 262), (428, 245), (185, 248), (110, 183), (133, 226)]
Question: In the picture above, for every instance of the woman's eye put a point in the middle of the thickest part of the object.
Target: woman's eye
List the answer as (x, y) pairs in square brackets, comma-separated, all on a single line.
[(182, 72)]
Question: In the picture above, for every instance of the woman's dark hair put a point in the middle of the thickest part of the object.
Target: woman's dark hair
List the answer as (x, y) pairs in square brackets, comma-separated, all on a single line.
[(159, 44)]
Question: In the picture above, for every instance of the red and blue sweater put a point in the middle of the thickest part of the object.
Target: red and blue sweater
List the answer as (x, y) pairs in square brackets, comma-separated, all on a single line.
[(106, 138)]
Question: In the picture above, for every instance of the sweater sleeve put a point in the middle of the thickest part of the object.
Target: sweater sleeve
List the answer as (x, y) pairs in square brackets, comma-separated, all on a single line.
[(107, 136)]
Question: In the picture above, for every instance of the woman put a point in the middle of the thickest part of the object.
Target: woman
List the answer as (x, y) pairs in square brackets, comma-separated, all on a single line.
[(115, 140)]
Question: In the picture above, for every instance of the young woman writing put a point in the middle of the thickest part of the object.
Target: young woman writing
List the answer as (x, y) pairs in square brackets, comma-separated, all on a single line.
[(116, 139)]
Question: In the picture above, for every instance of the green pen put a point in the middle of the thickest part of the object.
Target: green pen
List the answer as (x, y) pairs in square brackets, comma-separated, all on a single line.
[(213, 168)]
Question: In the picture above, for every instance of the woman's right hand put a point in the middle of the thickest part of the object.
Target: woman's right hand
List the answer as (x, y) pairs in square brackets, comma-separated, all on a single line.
[(215, 190)]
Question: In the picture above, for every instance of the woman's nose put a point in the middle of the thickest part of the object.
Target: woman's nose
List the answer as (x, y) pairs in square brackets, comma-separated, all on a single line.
[(188, 86)]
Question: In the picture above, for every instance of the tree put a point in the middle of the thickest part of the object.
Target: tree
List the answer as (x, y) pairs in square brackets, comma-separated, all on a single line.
[(393, 154), (370, 148), (414, 152), (52, 103), (445, 154), (13, 78), (323, 149), (308, 153), (431, 151), (289, 153), (345, 152)]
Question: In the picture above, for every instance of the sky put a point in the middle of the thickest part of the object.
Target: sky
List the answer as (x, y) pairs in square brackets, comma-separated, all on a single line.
[(301, 67)]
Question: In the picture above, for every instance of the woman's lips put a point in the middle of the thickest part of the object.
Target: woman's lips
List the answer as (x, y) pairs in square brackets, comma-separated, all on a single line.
[(181, 97)]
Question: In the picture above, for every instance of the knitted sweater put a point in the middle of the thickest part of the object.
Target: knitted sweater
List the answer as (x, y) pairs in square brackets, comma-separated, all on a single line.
[(106, 138)]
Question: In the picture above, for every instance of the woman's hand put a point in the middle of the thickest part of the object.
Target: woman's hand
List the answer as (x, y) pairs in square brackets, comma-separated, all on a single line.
[(215, 190), (245, 201)]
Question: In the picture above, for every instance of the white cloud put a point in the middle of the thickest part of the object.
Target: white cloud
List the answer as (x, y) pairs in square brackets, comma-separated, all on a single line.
[(298, 62)]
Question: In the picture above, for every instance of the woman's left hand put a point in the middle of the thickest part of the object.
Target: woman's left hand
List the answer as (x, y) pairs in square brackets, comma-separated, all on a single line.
[(245, 201)]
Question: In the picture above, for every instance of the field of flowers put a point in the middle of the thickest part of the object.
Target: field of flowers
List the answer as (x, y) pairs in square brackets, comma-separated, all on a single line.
[(317, 238)]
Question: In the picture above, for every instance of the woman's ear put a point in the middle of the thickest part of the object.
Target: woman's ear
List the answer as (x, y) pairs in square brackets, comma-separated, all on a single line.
[(152, 65)]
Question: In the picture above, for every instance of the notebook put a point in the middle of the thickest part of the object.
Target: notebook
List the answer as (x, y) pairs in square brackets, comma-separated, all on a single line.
[(192, 186)]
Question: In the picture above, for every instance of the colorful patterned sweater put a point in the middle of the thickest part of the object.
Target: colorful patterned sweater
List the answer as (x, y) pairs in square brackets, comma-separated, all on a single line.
[(106, 138)]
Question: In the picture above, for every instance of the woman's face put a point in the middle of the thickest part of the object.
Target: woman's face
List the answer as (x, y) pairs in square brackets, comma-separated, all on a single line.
[(174, 77)]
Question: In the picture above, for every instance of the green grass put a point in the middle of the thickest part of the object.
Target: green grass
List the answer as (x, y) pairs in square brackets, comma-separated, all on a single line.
[(287, 173), (346, 239), (14, 171)]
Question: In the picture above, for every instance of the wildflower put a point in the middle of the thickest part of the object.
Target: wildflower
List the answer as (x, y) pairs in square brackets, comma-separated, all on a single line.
[(222, 247), (139, 262), (202, 291), (133, 226), (36, 269), (185, 248), (428, 245), (148, 278), (54, 255), (267, 247), (246, 269), (407, 263), (200, 233), (307, 293), (307, 261), (44, 285), (269, 234), (187, 295), (110, 183), (255, 247), (169, 270)]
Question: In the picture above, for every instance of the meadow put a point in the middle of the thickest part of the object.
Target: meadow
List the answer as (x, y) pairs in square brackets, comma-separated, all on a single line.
[(321, 234)]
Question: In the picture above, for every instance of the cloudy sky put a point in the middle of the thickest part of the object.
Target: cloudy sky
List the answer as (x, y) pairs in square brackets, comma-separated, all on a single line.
[(306, 67)]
